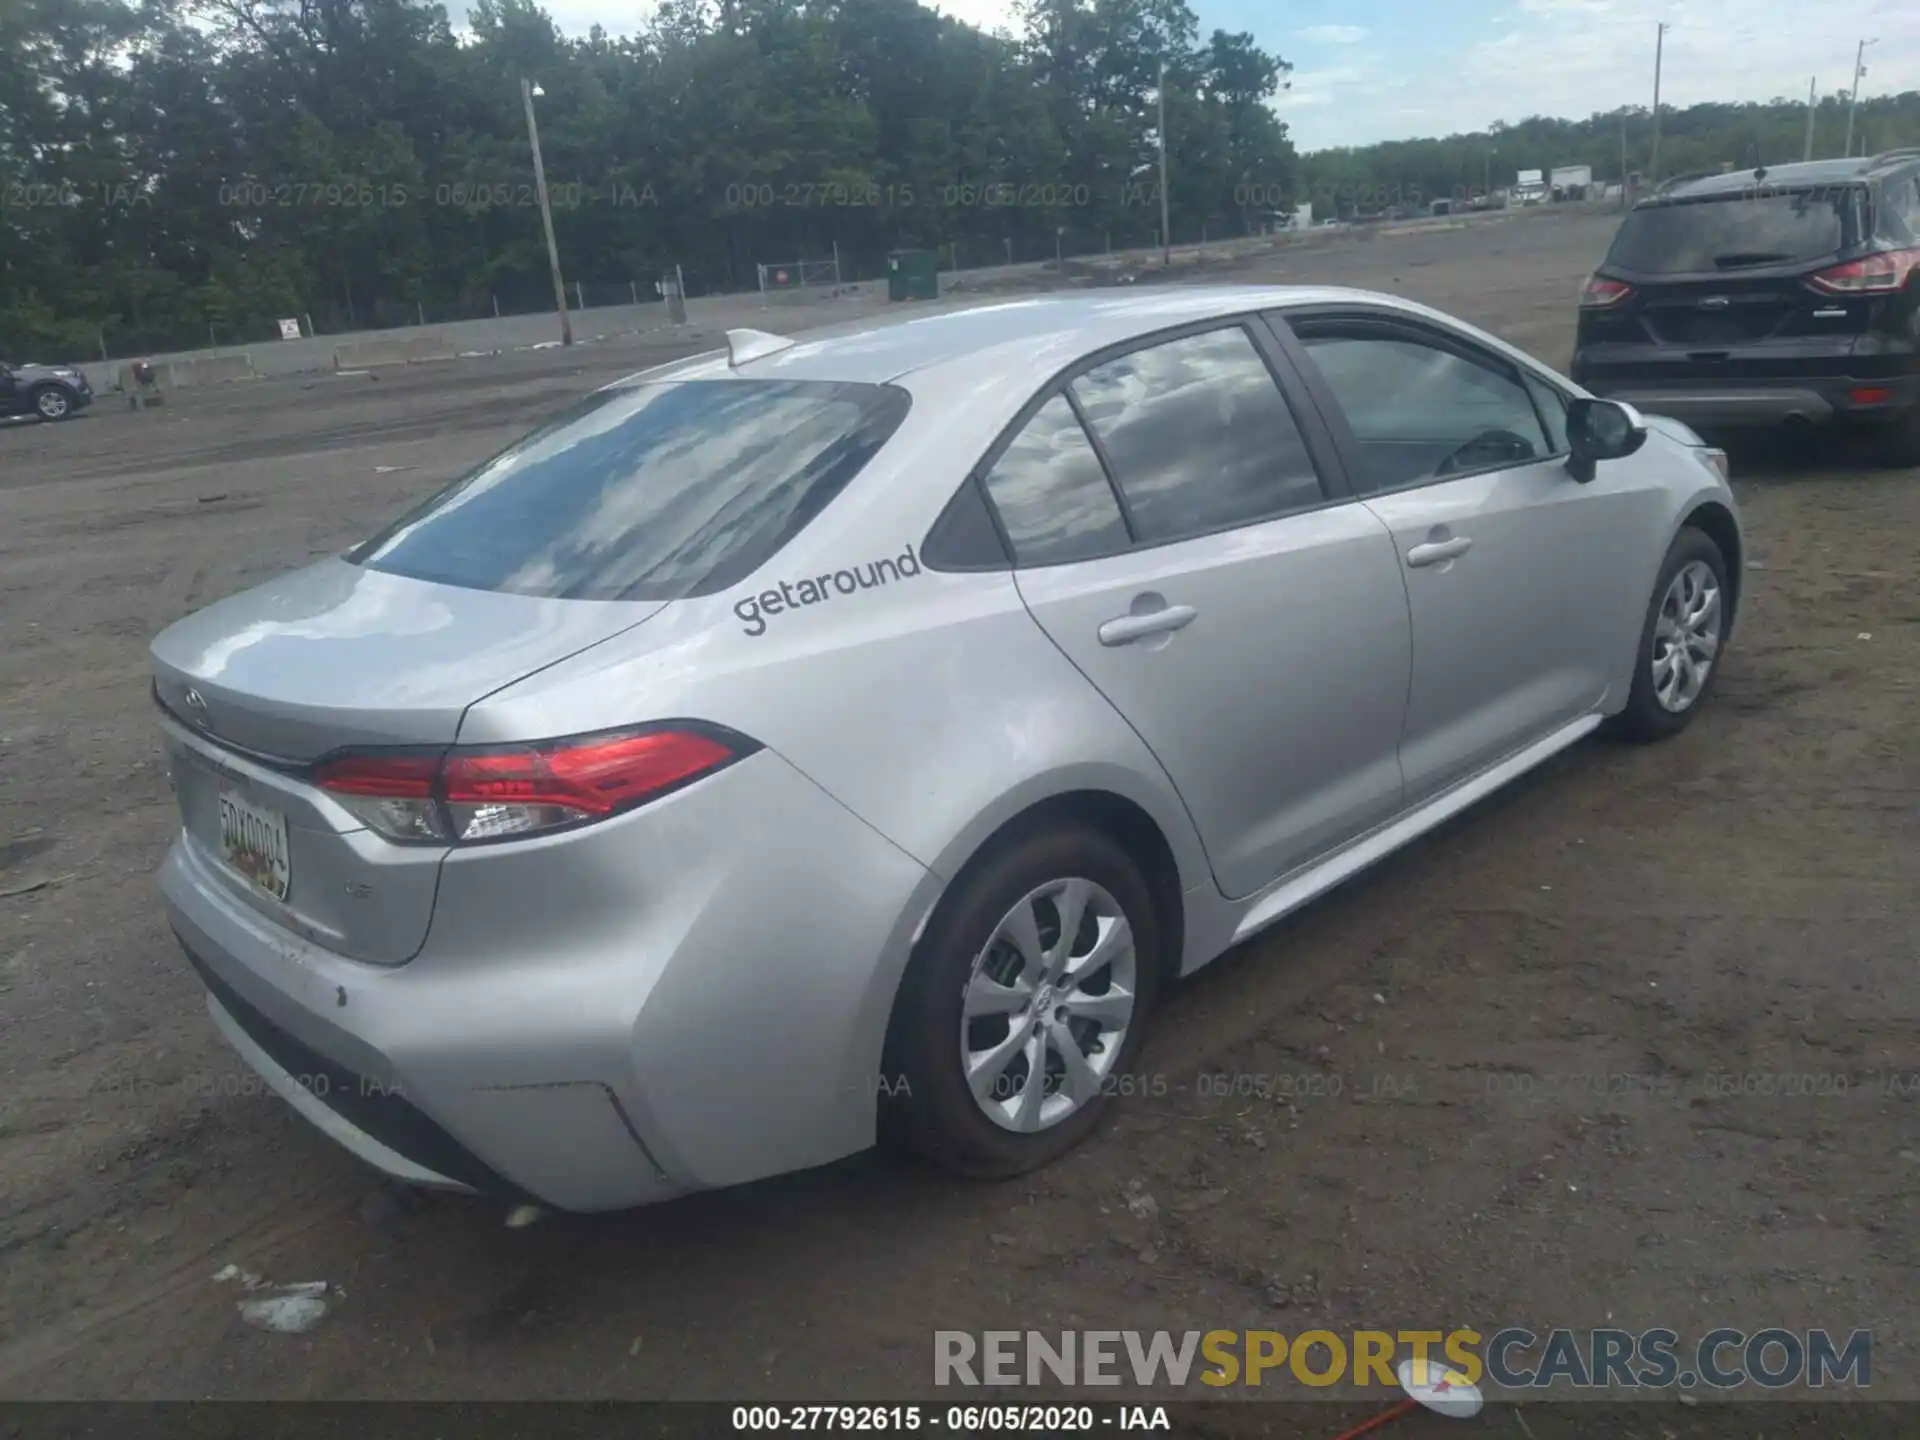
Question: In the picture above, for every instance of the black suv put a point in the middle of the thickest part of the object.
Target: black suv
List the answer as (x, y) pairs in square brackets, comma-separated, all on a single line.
[(53, 392), (1779, 296)]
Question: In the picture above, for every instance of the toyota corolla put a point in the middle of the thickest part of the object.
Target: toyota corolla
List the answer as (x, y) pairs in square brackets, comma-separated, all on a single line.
[(821, 740)]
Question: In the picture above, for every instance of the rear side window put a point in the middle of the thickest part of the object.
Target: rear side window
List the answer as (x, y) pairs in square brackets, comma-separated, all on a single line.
[(1742, 231), (1199, 436), (1902, 206), (1052, 496), (646, 492)]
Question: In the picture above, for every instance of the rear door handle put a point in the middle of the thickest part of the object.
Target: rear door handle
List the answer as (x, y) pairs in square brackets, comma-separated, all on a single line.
[(1128, 628), (1434, 551)]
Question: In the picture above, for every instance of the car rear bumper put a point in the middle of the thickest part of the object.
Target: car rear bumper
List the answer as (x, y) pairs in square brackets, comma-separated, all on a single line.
[(691, 995), (1750, 404)]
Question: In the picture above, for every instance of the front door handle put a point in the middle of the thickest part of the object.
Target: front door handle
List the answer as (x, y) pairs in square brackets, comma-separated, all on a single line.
[(1434, 551), (1128, 628)]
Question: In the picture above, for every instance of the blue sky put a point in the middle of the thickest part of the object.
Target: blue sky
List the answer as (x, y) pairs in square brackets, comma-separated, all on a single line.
[(1368, 70)]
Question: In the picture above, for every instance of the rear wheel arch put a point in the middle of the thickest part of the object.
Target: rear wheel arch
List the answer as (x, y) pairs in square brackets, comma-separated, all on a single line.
[(1121, 820)]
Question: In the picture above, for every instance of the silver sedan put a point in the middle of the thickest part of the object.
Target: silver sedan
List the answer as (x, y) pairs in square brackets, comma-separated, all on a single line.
[(813, 741)]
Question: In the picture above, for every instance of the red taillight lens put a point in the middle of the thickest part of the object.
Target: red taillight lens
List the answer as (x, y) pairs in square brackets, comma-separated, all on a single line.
[(1875, 275), (1598, 293), (392, 793), (398, 777), (495, 793)]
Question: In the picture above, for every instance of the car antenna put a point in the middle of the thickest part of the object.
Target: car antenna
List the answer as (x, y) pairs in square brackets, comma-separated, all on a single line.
[(745, 345)]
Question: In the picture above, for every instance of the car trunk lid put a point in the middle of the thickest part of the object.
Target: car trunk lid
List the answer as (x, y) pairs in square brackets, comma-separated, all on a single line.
[(333, 657)]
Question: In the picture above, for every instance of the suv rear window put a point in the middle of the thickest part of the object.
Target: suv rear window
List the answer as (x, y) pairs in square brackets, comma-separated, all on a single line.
[(646, 492), (1741, 231)]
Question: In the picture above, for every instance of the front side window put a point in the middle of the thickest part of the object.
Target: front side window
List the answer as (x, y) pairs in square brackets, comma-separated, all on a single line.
[(1552, 405), (1051, 494), (646, 492), (1421, 411), (1199, 436)]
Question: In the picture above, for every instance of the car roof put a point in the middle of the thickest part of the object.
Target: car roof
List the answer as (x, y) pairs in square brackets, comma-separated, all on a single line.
[(1801, 172), (1033, 336)]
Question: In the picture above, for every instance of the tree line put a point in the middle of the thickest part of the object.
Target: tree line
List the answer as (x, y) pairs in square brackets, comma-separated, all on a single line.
[(1617, 143), (174, 169), (175, 173)]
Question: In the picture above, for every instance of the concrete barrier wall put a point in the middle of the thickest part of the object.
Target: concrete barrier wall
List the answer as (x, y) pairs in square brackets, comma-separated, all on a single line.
[(312, 354), (207, 370), (410, 349)]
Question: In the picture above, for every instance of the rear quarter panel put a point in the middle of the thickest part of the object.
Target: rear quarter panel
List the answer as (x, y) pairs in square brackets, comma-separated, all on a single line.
[(931, 706)]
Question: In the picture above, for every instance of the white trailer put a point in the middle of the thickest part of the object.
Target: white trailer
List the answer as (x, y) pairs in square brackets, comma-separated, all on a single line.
[(1571, 182)]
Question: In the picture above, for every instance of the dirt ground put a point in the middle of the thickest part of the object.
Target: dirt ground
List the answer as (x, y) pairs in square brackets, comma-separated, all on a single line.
[(1518, 1033)]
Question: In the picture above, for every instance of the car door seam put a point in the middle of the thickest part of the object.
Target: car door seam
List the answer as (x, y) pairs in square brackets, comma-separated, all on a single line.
[(1413, 640), (1125, 719)]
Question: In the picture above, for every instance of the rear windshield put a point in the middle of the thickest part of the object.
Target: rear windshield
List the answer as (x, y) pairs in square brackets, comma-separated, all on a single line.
[(646, 492), (1742, 231)]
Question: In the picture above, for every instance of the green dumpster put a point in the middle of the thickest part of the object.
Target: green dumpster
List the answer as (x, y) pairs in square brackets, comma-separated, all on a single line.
[(913, 275)]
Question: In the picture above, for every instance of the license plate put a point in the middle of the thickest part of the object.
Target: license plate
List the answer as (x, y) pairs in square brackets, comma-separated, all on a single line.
[(253, 838)]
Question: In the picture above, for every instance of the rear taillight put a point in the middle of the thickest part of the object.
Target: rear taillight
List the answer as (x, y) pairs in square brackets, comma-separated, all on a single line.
[(1874, 275), (494, 793), (390, 793), (1598, 293), (470, 794)]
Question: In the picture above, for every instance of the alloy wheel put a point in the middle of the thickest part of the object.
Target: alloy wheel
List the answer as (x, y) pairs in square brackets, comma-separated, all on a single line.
[(1047, 1005), (1686, 636)]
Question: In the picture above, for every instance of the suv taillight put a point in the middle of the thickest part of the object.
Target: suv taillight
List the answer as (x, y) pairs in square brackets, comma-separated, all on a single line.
[(1598, 293), (1874, 275), (501, 792)]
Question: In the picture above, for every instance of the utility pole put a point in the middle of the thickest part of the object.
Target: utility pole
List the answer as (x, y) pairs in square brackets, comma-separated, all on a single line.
[(527, 92), (1626, 182), (1486, 169), (1853, 91), (1166, 237), (1810, 88), (1659, 47)]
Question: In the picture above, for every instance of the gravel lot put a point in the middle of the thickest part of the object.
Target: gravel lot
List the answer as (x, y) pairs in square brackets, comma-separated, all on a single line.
[(1518, 1033)]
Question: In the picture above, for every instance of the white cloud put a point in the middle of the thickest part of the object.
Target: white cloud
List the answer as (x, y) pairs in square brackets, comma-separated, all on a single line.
[(1325, 86), (1333, 34), (1575, 57), (986, 14)]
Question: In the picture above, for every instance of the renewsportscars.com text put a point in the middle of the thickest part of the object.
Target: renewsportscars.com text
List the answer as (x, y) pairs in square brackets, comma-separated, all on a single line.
[(1510, 1359)]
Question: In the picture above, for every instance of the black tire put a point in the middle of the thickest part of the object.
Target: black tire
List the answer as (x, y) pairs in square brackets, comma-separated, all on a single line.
[(53, 402), (928, 1106), (1898, 445), (1645, 718)]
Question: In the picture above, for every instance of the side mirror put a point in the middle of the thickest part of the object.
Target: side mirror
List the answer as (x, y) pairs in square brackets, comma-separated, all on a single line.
[(1601, 430)]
